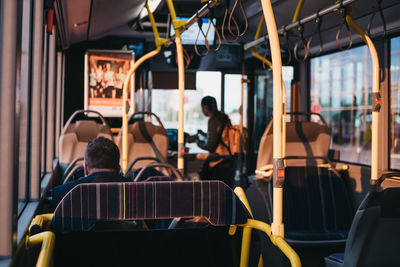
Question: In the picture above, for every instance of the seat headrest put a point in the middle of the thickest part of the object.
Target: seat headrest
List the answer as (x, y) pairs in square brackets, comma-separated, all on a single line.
[(152, 130), (302, 139), (303, 131), (87, 130), (89, 203)]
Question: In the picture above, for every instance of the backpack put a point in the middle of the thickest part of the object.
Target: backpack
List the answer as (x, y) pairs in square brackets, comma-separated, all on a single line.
[(229, 141)]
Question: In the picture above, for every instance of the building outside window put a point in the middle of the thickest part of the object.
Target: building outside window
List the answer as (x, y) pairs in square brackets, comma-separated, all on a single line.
[(341, 90)]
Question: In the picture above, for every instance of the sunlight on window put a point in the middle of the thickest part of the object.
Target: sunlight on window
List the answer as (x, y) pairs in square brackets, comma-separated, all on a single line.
[(341, 91), (233, 89), (165, 103)]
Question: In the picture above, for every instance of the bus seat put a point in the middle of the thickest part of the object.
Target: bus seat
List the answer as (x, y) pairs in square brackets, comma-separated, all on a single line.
[(96, 224), (375, 232), (302, 139), (145, 140), (316, 204), (76, 135), (212, 199)]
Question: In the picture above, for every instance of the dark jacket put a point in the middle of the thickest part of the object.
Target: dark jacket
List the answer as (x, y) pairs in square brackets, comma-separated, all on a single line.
[(215, 124), (58, 192)]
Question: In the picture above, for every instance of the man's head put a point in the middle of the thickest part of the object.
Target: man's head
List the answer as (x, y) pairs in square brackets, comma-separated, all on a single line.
[(209, 106), (101, 155)]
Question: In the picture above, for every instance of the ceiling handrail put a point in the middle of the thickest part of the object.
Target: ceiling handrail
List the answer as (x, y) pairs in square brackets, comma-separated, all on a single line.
[(294, 25)]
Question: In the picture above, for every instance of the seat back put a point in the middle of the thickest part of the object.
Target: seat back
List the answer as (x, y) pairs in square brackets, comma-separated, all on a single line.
[(375, 233), (87, 204), (303, 138), (317, 204), (76, 135), (145, 140)]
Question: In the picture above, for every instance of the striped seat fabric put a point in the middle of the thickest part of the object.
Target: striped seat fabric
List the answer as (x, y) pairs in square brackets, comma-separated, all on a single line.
[(86, 204)]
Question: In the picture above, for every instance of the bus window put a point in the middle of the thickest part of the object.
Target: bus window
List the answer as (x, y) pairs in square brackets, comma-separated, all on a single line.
[(341, 85), (287, 76), (395, 103), (232, 98), (165, 104)]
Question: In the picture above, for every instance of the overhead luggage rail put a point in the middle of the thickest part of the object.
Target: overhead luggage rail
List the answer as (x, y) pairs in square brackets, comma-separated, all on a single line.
[(294, 25)]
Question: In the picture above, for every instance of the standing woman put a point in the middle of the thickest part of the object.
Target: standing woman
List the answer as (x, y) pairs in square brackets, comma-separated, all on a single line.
[(220, 165)]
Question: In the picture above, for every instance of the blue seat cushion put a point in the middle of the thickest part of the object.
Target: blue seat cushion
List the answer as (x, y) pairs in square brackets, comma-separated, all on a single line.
[(316, 236), (335, 260)]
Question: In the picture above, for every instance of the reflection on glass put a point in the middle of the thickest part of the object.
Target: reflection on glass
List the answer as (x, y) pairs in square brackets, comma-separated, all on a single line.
[(341, 91), (395, 104)]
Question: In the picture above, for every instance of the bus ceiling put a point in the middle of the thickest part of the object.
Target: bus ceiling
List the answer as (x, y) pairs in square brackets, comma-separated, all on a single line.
[(81, 20)]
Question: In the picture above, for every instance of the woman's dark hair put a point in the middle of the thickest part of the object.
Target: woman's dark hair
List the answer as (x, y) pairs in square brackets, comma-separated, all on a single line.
[(102, 153), (210, 103)]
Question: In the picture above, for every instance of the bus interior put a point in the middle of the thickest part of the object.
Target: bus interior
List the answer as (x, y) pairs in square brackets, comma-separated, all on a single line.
[(304, 172)]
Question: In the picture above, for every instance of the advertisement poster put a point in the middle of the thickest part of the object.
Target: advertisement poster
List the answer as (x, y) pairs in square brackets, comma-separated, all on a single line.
[(105, 73)]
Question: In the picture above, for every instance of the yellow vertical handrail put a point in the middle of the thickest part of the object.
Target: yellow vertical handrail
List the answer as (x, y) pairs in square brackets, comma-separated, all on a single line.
[(159, 42), (267, 62), (278, 125), (254, 48), (298, 10), (177, 24), (376, 98)]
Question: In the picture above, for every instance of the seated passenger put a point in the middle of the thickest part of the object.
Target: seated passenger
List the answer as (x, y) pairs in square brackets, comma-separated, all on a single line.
[(215, 167), (101, 165)]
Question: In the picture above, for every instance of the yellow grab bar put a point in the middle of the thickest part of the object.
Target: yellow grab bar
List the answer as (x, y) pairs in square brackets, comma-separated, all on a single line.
[(38, 222), (242, 196), (159, 42), (298, 11), (181, 83), (48, 240), (269, 64), (254, 49), (278, 116), (276, 240), (375, 94)]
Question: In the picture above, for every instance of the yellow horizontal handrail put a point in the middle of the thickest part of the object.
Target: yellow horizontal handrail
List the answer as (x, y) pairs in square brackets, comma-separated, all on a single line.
[(276, 240), (39, 221), (47, 240)]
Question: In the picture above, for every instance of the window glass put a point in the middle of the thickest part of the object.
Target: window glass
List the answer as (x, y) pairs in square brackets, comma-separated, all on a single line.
[(395, 104), (233, 89), (341, 91), (24, 103), (165, 104), (263, 98)]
